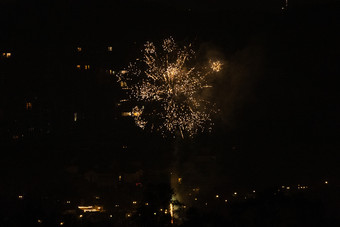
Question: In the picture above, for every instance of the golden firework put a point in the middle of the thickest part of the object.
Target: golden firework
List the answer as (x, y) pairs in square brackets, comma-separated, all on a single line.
[(168, 85)]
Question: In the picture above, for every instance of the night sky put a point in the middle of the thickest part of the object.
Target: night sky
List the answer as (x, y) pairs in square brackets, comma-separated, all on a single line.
[(278, 92)]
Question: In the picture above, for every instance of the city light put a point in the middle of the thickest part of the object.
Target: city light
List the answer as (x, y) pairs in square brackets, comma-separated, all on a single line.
[(7, 55), (28, 105), (90, 208)]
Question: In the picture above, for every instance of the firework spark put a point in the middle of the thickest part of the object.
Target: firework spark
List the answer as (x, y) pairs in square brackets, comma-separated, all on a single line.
[(216, 66), (168, 86), (172, 213)]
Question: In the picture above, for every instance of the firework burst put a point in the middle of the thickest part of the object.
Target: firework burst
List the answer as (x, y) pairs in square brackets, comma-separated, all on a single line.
[(167, 87), (216, 66)]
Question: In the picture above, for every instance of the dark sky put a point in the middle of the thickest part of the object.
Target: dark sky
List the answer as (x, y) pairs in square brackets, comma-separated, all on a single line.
[(278, 97)]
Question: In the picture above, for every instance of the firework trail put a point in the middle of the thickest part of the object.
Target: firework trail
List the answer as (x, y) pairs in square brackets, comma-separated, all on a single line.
[(167, 86)]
